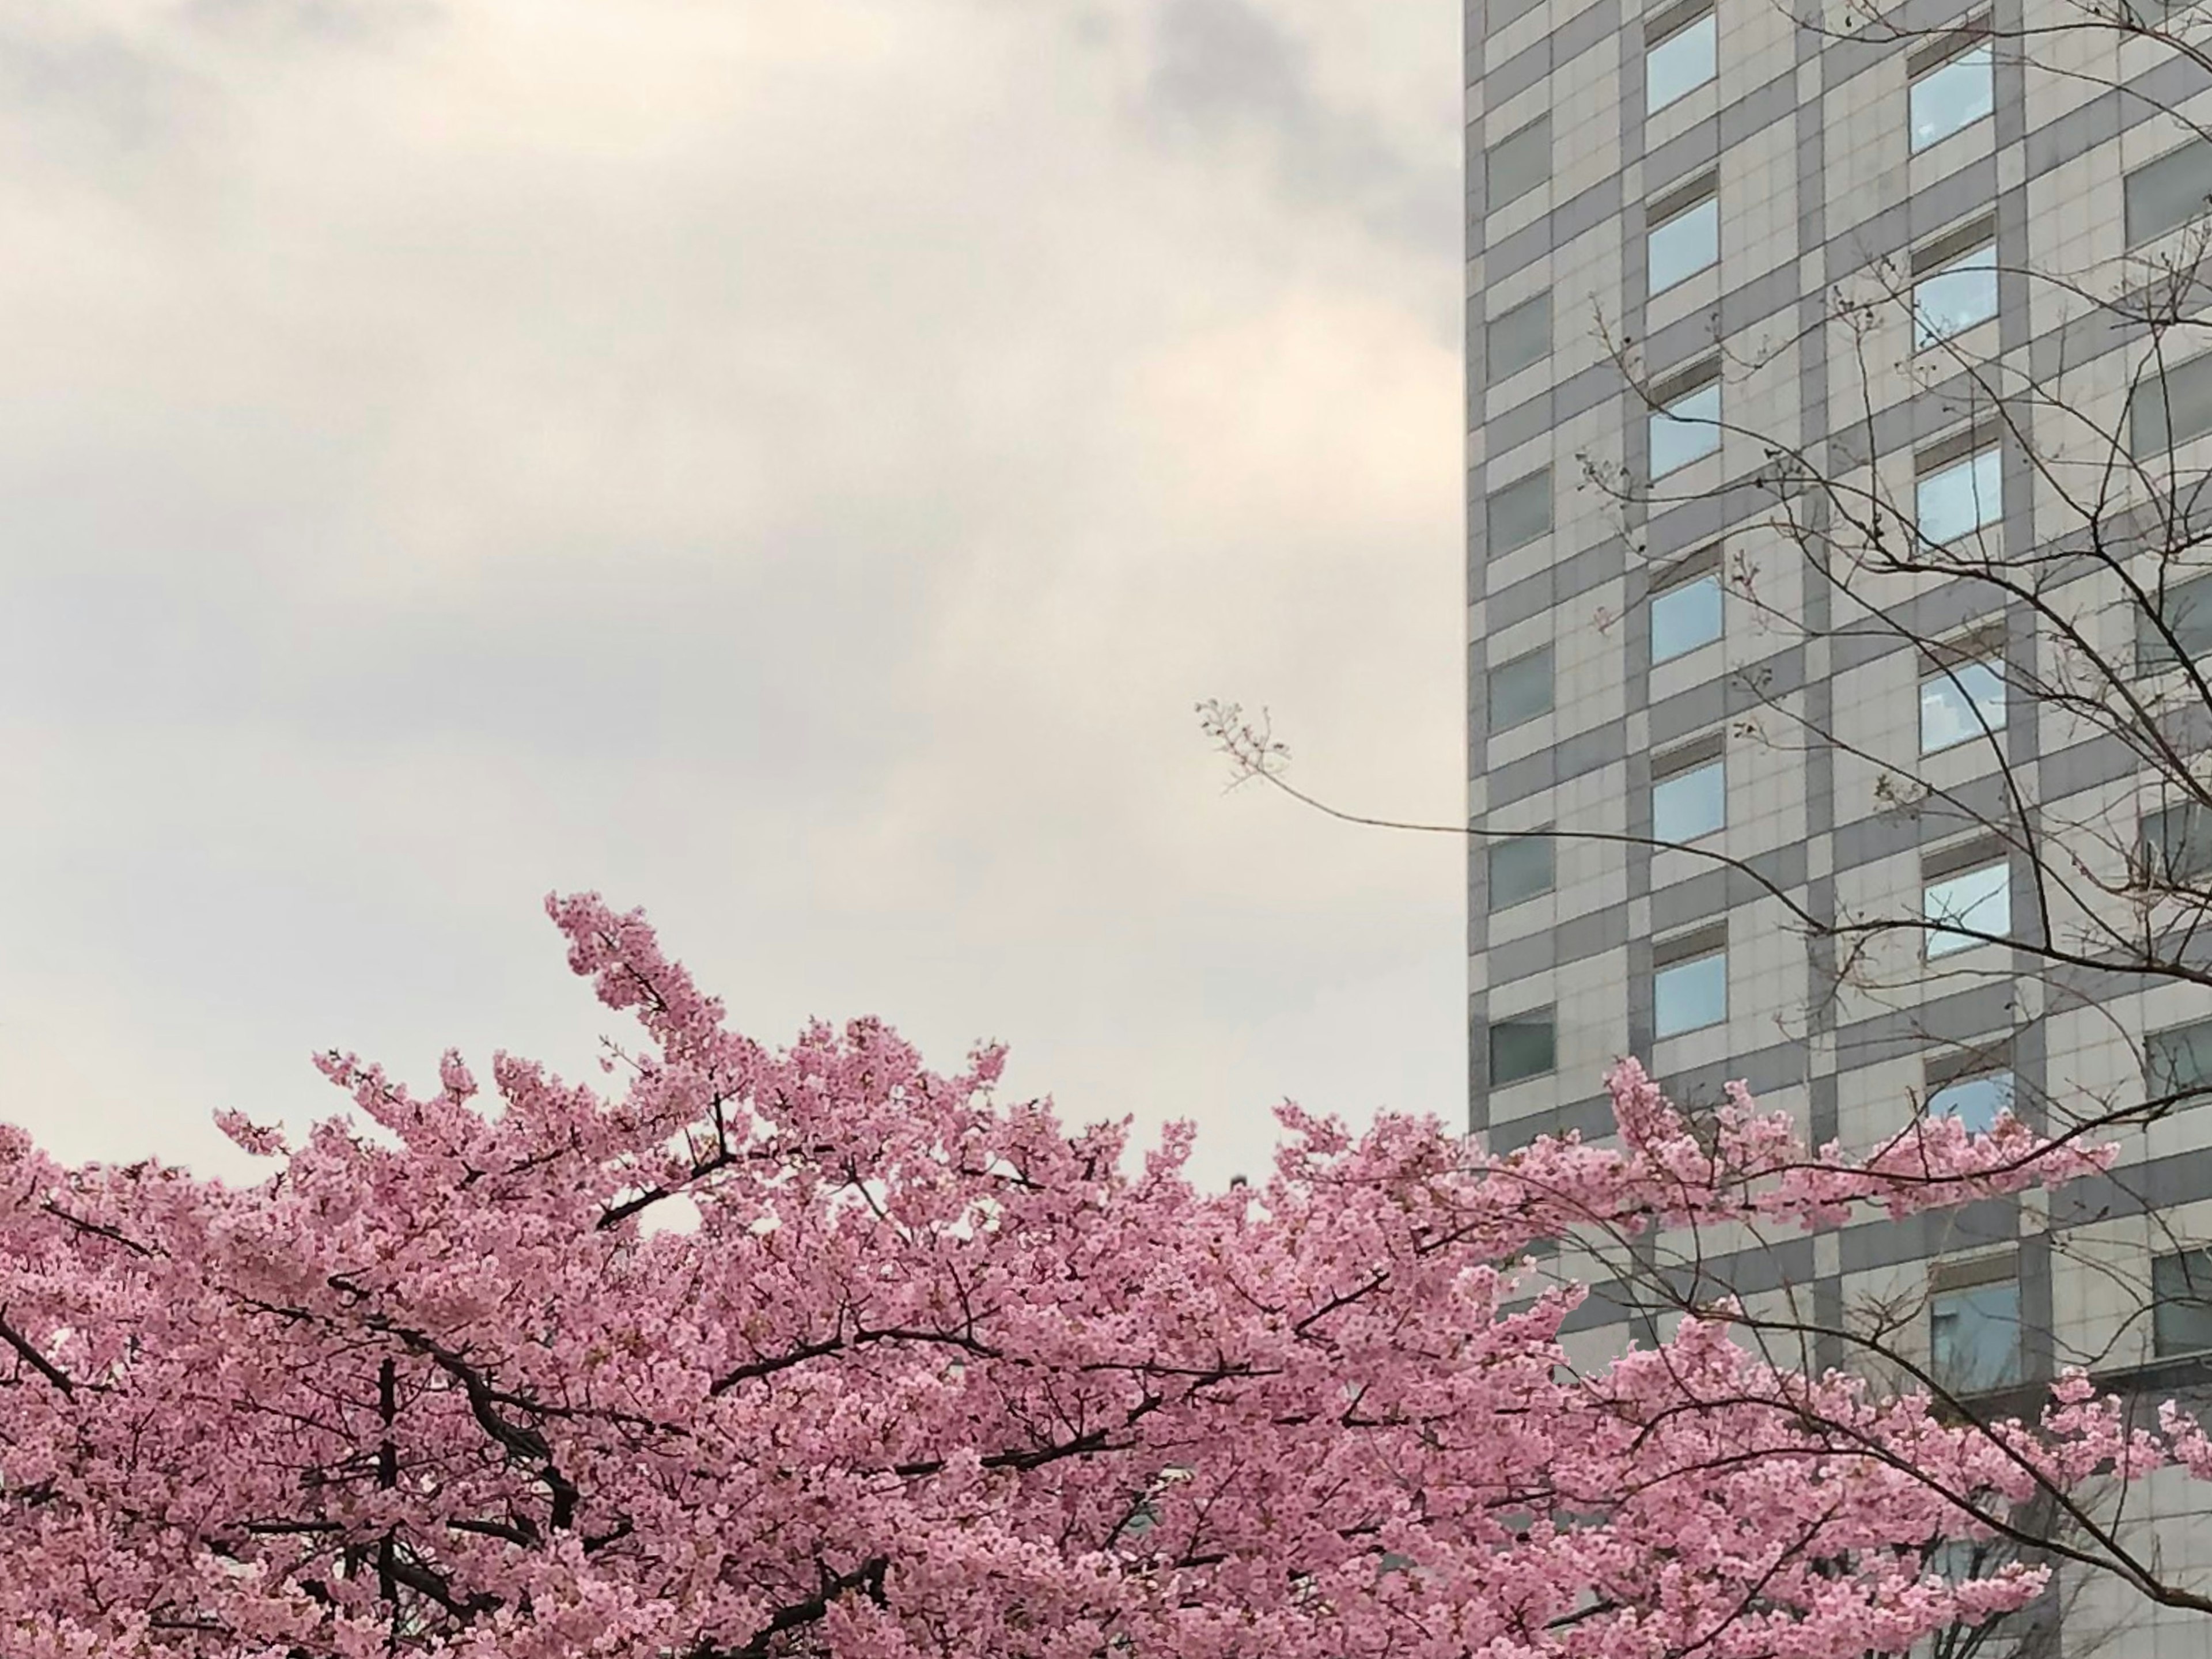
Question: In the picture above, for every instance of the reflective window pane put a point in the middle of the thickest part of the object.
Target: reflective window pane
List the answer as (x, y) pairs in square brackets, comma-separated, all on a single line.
[(1681, 63), (1521, 690), (1520, 869), (1685, 618), (1980, 900), (1964, 701), (1521, 1047), (2169, 191), (1689, 994), (1687, 430), (2185, 612), (2175, 847), (1953, 300), (1683, 246), (1960, 500), (2181, 1303), (1690, 804), (1520, 512), (1954, 96), (1514, 339), (1976, 1102), (1974, 1337), (1956, 1560), (1518, 162), (2179, 1062), (2172, 408)]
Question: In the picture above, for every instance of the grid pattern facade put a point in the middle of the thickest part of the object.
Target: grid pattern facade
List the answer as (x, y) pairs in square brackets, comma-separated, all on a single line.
[(1799, 149)]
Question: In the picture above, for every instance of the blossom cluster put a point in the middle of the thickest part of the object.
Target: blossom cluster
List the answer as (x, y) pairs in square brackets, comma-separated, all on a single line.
[(815, 1350)]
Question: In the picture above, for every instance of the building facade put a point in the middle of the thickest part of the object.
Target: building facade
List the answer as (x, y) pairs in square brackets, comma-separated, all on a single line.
[(1667, 212)]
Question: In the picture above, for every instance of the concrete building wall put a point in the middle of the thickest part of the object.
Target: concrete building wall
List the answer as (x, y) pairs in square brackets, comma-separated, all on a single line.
[(1817, 187)]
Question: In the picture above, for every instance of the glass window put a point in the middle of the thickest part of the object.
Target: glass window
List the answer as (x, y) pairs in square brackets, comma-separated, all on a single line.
[(1520, 869), (2186, 611), (1954, 96), (1953, 299), (1684, 246), (1690, 804), (1520, 512), (2172, 408), (2169, 191), (2175, 848), (1963, 700), (1521, 1047), (2181, 1303), (1689, 994), (1518, 162), (1686, 429), (1977, 899), (1521, 690), (1976, 1102), (1680, 63), (1958, 500), (1685, 616), (2178, 1061), (1974, 1337), (1957, 1560), (1516, 338)]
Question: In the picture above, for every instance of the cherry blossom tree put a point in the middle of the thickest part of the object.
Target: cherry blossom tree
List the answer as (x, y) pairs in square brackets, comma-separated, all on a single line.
[(817, 1351)]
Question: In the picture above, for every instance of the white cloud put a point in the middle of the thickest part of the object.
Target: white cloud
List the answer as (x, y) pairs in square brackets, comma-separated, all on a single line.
[(791, 465)]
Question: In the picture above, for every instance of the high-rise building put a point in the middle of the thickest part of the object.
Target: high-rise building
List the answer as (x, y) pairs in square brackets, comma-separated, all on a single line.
[(1674, 216)]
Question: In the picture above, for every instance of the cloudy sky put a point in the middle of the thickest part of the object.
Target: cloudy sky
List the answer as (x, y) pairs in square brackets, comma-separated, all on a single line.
[(791, 465)]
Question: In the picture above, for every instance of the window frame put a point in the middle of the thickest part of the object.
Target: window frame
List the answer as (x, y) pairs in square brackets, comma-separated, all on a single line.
[(2151, 431), (2192, 1036), (1701, 380), (1680, 765), (1963, 1283), (1947, 256), (1671, 27), (2135, 236), (1492, 374), (1491, 201), (1975, 710), (1542, 838), (2193, 1269), (1951, 868), (1700, 949), (1971, 39), (1491, 725), (2197, 840), (2192, 597), (1672, 207), (1957, 1071), (1526, 1018), (1694, 569), (1969, 453), (1946, 665), (1493, 548)]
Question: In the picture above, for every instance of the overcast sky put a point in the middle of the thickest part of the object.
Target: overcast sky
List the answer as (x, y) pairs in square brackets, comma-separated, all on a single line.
[(791, 465)]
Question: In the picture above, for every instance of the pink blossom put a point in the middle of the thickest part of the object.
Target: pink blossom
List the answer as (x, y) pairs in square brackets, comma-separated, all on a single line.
[(930, 1373)]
